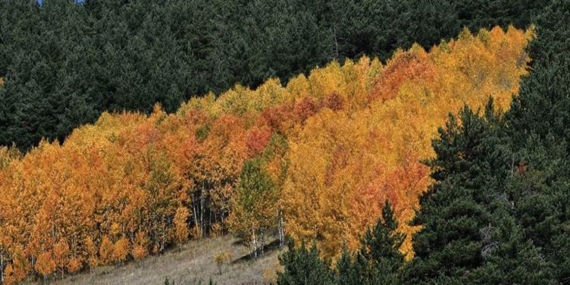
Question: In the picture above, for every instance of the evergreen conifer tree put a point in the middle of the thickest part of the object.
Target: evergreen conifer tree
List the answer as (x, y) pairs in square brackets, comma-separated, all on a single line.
[(379, 260), (303, 267)]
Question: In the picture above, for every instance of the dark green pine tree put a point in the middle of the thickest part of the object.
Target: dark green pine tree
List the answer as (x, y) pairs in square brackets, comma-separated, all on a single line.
[(540, 199), (348, 270), (477, 14), (20, 35), (542, 107), (370, 27), (287, 56), (379, 260), (302, 266), (468, 167), (474, 229), (508, 256), (541, 110), (553, 36)]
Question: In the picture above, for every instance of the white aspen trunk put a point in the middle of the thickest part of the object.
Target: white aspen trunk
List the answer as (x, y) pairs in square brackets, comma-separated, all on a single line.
[(202, 209), (195, 213), (335, 42), (262, 237), (253, 242), (280, 229), (163, 233), (210, 222), (1, 268)]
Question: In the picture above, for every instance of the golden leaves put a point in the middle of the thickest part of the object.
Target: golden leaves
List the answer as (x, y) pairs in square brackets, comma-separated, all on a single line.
[(181, 233), (45, 264), (121, 250)]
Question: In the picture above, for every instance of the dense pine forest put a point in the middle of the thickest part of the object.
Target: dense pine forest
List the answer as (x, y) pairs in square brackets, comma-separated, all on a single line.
[(387, 142)]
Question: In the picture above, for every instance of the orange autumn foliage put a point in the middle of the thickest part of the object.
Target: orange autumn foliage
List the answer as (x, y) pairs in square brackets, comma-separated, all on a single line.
[(180, 223), (45, 264), (106, 250), (140, 246), (404, 67), (121, 250)]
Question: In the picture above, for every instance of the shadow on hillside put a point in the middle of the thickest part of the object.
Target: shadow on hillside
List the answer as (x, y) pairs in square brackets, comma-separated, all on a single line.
[(267, 249)]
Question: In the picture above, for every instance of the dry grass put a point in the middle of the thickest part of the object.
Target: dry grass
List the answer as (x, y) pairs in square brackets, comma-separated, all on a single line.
[(191, 263)]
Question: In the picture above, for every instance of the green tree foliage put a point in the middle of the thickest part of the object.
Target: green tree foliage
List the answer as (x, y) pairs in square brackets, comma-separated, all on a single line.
[(379, 261), (254, 208), (303, 266)]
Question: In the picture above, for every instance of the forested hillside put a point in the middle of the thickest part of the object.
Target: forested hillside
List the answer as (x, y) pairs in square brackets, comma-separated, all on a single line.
[(131, 127), (314, 159), (65, 63)]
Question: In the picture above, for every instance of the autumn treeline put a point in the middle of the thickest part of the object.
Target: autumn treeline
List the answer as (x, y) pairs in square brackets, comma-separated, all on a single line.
[(314, 160)]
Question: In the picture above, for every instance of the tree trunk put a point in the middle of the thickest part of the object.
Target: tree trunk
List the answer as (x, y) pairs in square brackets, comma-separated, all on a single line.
[(2, 268), (262, 237), (202, 208), (163, 234), (253, 243), (335, 43), (195, 212), (280, 229)]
